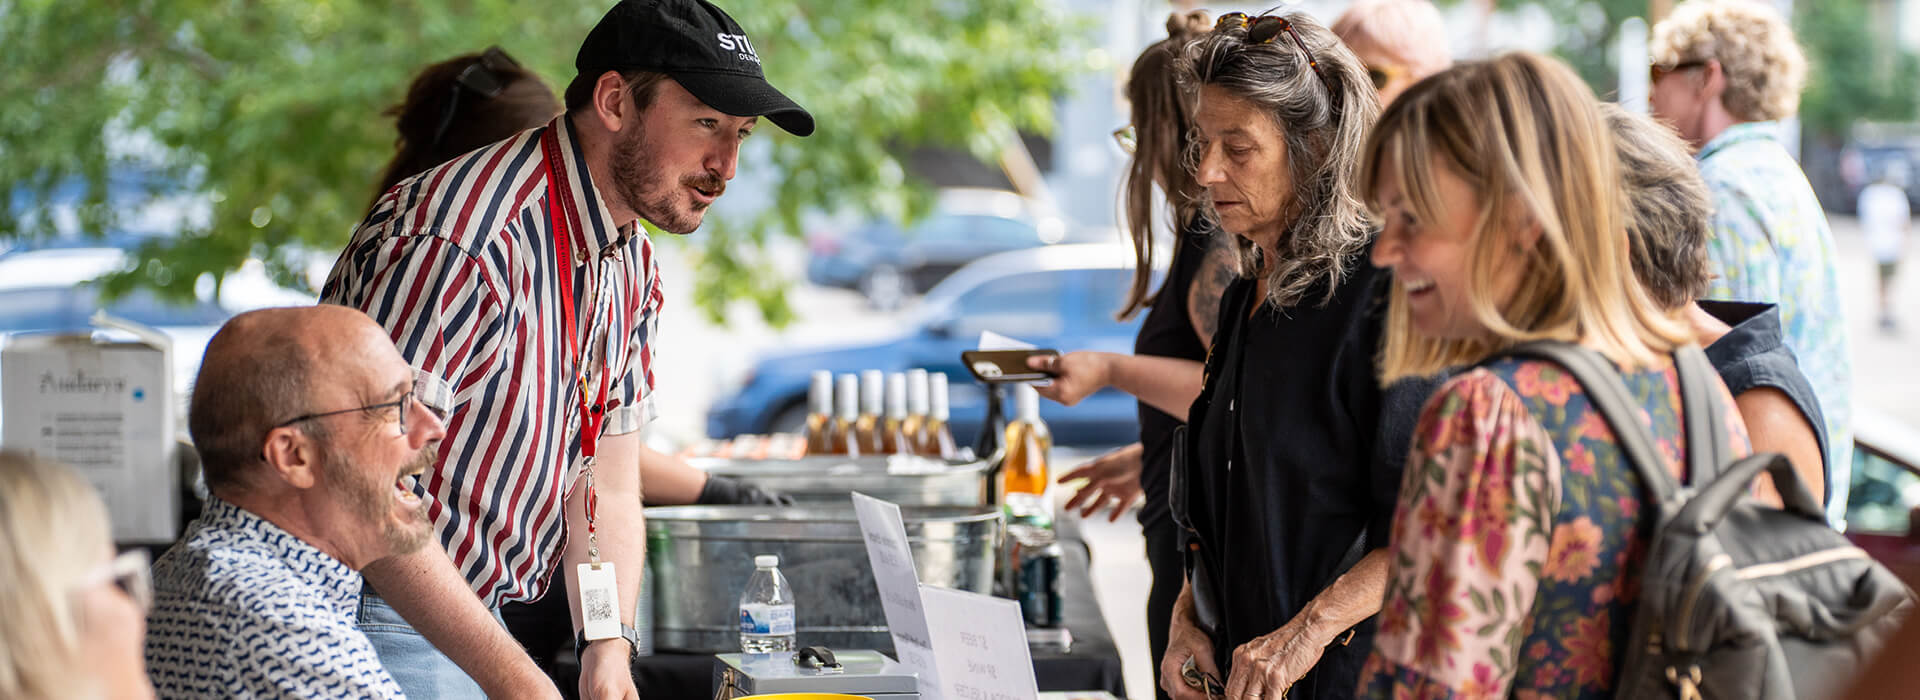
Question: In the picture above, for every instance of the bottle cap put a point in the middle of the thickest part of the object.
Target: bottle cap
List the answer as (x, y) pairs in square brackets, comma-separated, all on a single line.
[(1026, 403), (846, 404), (766, 561), (820, 395), (897, 395), (937, 391), (917, 386), (872, 390)]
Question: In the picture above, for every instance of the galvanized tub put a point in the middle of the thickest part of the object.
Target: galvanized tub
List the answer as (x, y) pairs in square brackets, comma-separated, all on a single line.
[(902, 479), (700, 557)]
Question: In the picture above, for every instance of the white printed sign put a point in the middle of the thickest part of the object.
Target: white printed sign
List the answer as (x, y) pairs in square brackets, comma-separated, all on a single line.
[(981, 645), (886, 536)]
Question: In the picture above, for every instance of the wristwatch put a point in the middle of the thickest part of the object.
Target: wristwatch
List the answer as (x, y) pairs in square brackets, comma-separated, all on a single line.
[(626, 631)]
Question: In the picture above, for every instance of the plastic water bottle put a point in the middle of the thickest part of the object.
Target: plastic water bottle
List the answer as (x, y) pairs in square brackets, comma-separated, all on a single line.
[(766, 609)]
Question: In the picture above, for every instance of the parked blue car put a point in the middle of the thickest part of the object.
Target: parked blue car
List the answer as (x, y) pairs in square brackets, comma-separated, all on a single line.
[(889, 265), (1058, 296)]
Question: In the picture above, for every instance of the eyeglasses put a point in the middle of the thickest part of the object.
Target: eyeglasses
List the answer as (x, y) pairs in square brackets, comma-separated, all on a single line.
[(483, 78), (425, 389), (1265, 28), (1657, 71), (128, 572), (1128, 138), (1382, 75)]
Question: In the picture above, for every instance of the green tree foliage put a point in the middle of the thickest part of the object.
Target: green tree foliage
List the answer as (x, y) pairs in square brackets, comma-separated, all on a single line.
[(1856, 70), (269, 110)]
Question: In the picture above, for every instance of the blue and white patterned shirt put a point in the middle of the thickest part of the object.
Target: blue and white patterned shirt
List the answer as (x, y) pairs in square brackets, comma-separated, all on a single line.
[(242, 609), (1771, 245)]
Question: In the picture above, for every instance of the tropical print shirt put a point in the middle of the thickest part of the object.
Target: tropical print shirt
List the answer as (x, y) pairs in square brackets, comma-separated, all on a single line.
[(1519, 538), (1770, 244)]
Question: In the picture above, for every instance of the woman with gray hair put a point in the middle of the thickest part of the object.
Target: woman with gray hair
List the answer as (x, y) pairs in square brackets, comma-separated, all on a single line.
[(1285, 484)]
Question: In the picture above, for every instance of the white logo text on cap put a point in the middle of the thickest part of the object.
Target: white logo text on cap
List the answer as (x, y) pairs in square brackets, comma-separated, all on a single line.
[(738, 44)]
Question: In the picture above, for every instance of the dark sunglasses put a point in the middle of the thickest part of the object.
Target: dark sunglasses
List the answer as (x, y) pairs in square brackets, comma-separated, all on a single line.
[(484, 78), (1266, 28), (1656, 72), (1381, 75)]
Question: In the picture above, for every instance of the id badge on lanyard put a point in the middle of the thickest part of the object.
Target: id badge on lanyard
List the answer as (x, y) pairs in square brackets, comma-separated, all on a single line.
[(594, 580)]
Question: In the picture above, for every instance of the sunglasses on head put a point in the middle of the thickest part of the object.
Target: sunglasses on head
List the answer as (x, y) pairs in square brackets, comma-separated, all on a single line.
[(483, 77), (1266, 28), (1128, 138)]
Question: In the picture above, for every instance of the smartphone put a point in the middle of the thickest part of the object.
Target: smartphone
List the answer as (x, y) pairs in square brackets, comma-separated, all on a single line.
[(1006, 366)]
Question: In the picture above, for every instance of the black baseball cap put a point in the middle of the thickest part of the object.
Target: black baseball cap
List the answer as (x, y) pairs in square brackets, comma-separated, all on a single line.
[(700, 47)]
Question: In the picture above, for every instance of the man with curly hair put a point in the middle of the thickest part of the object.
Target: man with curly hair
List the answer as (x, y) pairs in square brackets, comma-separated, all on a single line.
[(1724, 73)]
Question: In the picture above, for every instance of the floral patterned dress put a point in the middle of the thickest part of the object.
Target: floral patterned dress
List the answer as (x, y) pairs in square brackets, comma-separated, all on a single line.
[(1520, 536)]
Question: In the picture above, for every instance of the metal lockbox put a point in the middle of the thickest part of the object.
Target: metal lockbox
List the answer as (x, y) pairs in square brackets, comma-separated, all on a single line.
[(861, 672)]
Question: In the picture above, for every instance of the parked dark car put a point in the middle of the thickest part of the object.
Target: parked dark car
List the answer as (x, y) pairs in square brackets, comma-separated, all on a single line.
[(889, 265), (1057, 296)]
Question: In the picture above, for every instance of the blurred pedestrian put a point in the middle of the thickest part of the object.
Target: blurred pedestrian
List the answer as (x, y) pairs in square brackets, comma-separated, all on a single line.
[(1885, 219), (1519, 539), (519, 273), (1182, 313), (1724, 72), (1667, 217), (72, 615), (310, 430), (1400, 41)]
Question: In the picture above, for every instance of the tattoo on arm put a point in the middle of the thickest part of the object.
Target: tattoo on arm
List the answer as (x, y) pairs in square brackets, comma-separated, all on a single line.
[(1217, 270)]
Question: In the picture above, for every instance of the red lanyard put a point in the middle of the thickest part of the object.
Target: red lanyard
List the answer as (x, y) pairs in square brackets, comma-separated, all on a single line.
[(592, 414)]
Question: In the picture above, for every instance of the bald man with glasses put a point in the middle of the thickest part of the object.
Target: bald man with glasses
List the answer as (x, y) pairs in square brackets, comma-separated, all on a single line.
[(311, 429)]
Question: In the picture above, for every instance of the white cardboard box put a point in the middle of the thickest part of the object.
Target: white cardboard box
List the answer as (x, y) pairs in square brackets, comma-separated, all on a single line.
[(105, 408)]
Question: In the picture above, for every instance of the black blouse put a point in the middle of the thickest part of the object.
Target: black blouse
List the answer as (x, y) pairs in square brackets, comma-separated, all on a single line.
[(1289, 477), (1167, 331)]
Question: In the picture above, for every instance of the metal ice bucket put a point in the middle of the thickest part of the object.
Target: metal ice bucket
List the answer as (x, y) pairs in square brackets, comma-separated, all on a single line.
[(906, 480), (700, 558)]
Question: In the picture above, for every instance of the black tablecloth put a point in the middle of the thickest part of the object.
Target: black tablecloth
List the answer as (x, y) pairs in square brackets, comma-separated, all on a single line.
[(1093, 663)]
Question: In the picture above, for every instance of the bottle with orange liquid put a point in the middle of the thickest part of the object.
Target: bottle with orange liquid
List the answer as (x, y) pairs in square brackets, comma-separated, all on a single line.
[(820, 413), (867, 427), (916, 423), (1023, 469), (936, 437), (841, 436), (893, 436)]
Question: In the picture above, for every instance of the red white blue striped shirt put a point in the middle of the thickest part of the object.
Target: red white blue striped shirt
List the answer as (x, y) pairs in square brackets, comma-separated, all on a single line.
[(459, 264)]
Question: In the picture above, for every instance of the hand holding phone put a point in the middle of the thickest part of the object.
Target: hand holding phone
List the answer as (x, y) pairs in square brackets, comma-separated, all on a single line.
[(1007, 366)]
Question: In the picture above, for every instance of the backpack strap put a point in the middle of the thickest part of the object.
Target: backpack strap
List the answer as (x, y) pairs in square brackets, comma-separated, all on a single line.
[(1609, 395), (1709, 447), (1705, 419)]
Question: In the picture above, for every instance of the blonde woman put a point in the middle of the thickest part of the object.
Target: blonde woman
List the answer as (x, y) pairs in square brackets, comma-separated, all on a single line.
[(1520, 530), (72, 618)]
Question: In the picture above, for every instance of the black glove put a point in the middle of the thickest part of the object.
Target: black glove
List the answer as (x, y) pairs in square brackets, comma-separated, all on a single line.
[(721, 490)]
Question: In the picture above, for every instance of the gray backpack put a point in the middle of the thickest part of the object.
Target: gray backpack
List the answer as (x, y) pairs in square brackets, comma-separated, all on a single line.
[(1738, 600)]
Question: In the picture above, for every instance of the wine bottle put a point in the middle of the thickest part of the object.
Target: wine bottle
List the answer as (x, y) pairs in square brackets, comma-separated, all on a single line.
[(1023, 470), (937, 437), (867, 427), (820, 413), (841, 438)]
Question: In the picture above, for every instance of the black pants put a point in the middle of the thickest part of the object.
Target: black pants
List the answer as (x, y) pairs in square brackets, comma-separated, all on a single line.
[(1169, 573)]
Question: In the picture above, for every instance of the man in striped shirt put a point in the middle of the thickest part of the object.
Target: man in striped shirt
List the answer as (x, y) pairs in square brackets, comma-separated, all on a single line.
[(518, 274)]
